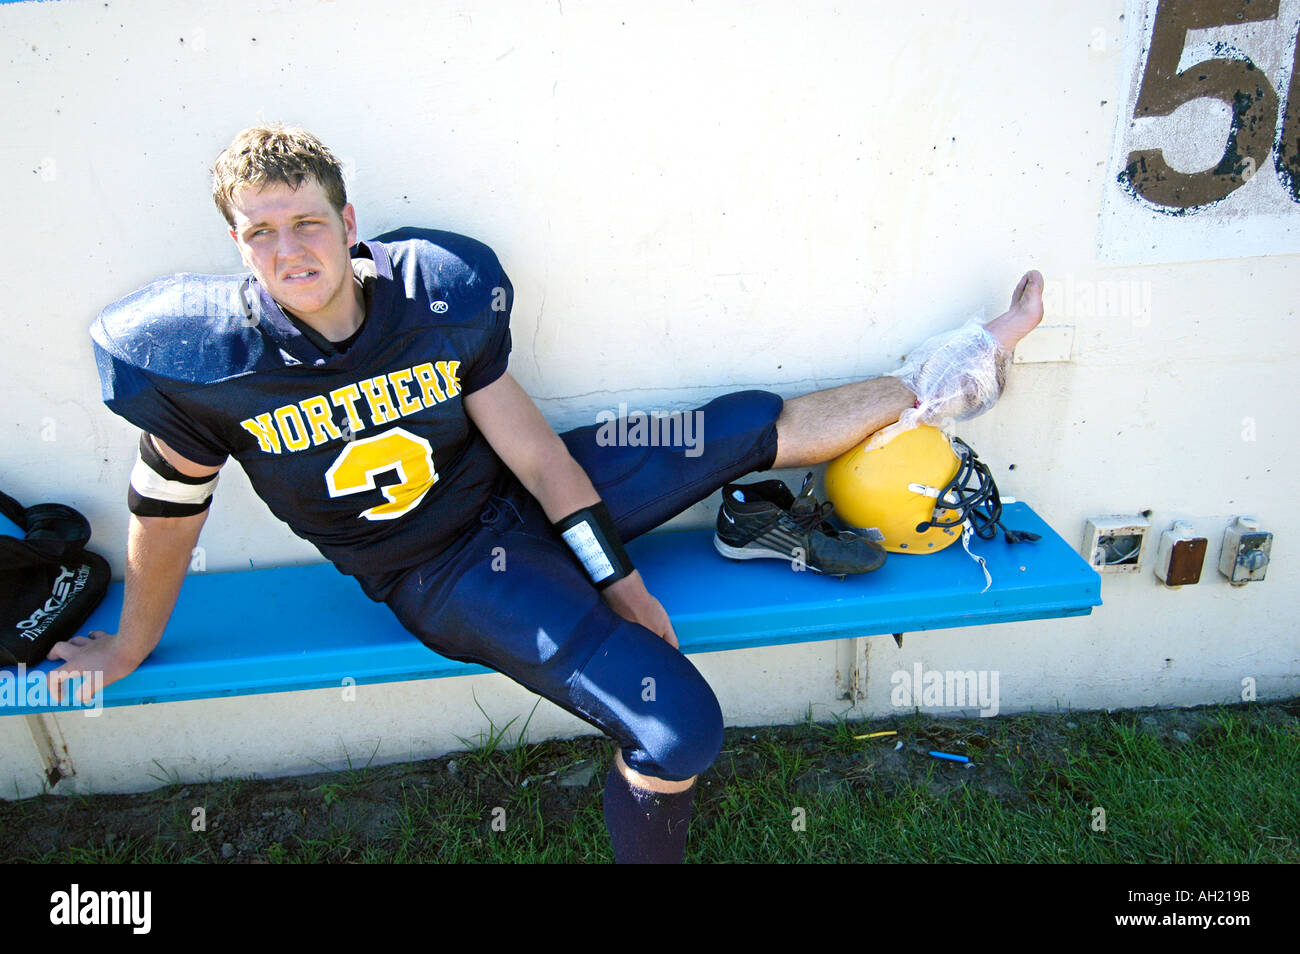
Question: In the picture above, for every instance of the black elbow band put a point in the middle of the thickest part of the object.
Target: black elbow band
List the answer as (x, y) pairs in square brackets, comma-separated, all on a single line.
[(160, 490), (591, 535), (152, 507)]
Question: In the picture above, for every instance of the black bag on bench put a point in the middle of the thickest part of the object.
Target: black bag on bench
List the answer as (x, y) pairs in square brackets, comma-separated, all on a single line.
[(49, 582)]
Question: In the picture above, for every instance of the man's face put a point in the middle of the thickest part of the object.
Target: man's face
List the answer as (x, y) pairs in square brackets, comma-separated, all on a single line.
[(297, 246)]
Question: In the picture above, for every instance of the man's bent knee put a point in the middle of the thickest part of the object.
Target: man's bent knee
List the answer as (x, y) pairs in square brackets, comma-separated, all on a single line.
[(689, 742), (650, 698)]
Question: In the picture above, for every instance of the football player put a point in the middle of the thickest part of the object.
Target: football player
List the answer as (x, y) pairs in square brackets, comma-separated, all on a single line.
[(363, 387)]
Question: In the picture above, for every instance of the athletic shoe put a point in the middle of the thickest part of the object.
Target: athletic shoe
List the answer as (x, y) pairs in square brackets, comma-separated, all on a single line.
[(765, 520)]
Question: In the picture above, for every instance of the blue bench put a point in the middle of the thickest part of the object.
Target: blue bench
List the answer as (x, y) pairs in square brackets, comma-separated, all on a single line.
[(309, 627)]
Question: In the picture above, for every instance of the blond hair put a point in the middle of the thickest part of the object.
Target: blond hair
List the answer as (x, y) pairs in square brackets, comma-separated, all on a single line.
[(261, 155)]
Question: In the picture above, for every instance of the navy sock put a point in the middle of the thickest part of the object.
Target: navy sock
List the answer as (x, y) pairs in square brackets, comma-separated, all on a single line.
[(646, 827)]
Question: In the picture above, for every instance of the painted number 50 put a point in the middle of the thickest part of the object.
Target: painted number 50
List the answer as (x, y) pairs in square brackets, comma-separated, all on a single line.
[(1257, 129)]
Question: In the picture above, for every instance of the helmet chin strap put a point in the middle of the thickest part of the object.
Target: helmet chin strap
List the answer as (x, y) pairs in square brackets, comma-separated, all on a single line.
[(966, 532)]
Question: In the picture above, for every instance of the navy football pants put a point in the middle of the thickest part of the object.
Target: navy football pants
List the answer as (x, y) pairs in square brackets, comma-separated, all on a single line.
[(512, 597)]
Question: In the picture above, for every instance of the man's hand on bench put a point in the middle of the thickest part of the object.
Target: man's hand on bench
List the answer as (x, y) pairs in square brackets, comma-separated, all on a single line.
[(99, 652), (158, 551)]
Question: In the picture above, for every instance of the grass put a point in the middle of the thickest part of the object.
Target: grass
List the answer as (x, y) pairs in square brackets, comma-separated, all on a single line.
[(517, 759), (1124, 787)]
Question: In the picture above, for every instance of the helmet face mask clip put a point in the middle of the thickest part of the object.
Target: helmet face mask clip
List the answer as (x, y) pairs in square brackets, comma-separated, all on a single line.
[(972, 492)]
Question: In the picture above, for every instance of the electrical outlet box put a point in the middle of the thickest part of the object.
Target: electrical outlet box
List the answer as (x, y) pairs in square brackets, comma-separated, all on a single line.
[(1115, 544), (1181, 556), (1246, 550)]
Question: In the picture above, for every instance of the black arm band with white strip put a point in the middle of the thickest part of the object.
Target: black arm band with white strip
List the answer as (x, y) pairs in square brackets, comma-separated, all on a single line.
[(160, 490), (591, 535)]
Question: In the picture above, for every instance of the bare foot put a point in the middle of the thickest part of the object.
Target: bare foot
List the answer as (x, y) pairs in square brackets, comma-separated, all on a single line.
[(1025, 314)]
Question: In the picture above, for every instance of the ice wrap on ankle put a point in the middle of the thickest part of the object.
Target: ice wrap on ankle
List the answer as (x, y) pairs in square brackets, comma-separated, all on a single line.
[(954, 375)]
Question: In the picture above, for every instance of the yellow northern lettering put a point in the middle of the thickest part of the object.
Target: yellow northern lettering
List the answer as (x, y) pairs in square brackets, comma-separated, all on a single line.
[(405, 403), (382, 409), (292, 428), (449, 371), (317, 410), (261, 428), (429, 384), (346, 397)]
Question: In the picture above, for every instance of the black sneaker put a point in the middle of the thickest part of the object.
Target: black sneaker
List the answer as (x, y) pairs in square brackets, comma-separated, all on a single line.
[(766, 520)]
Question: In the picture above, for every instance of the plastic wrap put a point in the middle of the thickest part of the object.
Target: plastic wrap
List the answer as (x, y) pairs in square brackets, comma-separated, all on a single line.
[(955, 376)]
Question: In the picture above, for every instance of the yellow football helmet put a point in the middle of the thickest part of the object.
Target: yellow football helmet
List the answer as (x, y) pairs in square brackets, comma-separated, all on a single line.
[(917, 486)]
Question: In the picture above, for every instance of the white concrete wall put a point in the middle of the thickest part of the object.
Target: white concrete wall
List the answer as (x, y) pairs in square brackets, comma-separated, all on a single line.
[(690, 198)]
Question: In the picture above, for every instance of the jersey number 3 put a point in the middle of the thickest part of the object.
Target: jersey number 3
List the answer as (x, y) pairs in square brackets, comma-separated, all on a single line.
[(356, 467)]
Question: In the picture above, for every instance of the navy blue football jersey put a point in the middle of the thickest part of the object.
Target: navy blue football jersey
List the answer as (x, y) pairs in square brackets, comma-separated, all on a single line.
[(368, 453)]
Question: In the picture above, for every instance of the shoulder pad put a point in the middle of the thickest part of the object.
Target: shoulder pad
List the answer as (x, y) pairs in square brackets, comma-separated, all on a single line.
[(188, 328), (458, 270)]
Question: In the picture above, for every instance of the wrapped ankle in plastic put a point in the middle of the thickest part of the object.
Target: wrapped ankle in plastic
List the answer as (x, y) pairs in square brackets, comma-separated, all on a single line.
[(955, 376)]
